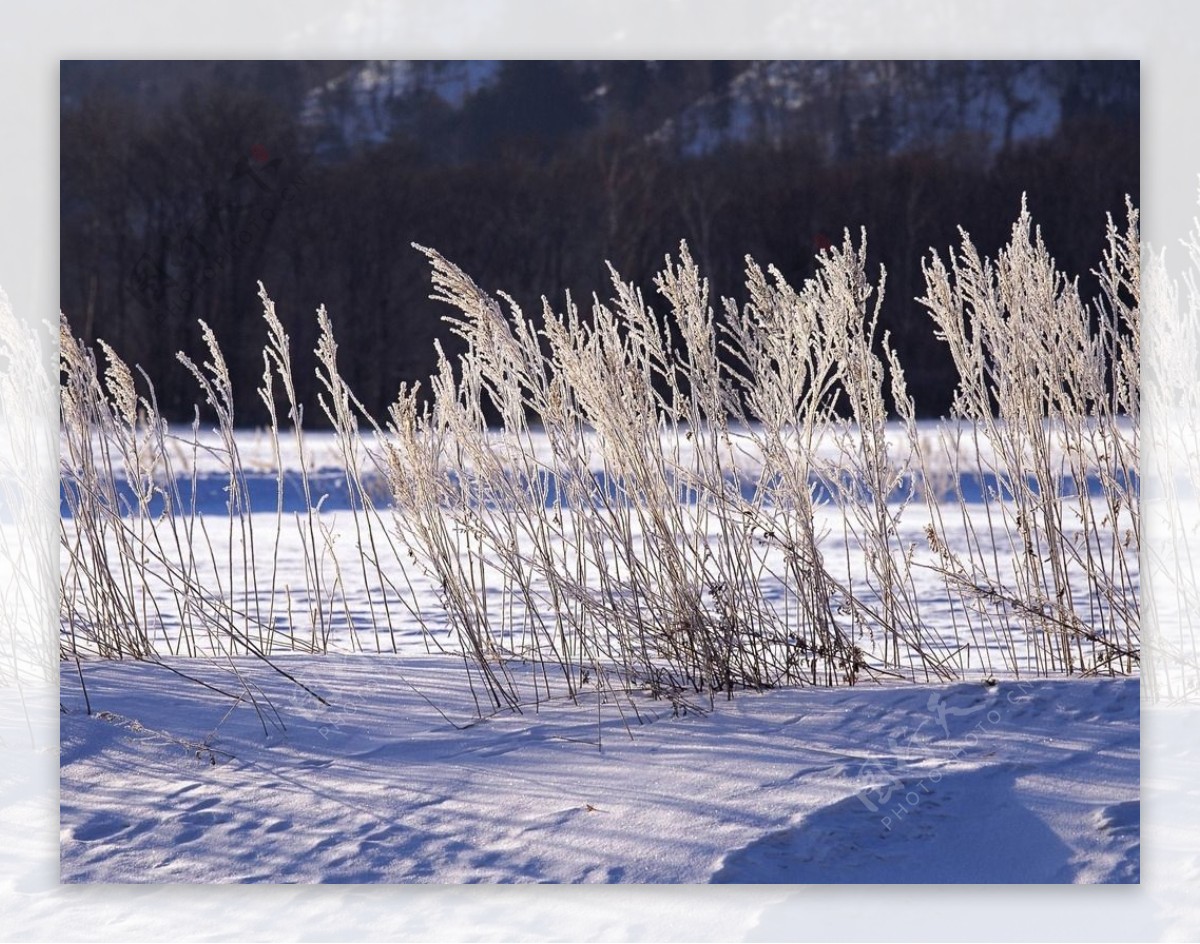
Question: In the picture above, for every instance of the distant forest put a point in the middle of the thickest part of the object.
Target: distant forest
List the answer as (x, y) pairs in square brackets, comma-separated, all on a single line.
[(185, 183)]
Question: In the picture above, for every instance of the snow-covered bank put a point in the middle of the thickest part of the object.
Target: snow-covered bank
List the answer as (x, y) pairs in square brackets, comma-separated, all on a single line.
[(1017, 782)]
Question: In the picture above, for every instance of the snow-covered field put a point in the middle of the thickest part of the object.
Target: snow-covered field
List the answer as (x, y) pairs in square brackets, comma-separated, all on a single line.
[(392, 776), (1016, 782)]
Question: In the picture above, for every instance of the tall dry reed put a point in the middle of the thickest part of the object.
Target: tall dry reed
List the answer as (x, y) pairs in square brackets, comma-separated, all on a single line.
[(684, 500)]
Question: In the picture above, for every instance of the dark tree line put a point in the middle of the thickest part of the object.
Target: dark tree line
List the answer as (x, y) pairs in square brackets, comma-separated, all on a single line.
[(184, 184)]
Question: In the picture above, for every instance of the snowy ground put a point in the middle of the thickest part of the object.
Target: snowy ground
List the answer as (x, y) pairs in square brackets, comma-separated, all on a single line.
[(398, 780), (1017, 782)]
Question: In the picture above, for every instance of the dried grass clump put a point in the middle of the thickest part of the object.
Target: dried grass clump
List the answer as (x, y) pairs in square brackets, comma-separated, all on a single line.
[(1049, 394), (686, 502)]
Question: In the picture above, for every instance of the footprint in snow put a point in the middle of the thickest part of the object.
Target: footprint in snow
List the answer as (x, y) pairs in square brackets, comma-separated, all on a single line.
[(101, 826)]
